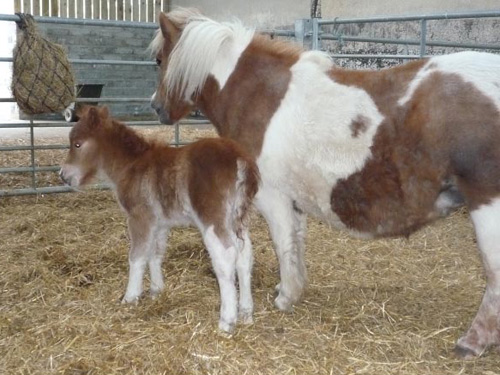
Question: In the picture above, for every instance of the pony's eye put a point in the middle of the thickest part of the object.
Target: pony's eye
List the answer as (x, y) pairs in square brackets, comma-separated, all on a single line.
[(158, 62), (77, 145)]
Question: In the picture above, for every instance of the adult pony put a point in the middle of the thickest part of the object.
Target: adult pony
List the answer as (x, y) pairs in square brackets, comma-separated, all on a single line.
[(379, 153)]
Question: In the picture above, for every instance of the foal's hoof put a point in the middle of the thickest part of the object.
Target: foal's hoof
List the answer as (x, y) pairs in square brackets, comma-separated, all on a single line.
[(130, 300), (246, 317), (283, 303), (226, 327), (464, 353)]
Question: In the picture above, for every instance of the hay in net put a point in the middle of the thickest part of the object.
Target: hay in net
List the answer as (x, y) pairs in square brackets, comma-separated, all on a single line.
[(42, 79)]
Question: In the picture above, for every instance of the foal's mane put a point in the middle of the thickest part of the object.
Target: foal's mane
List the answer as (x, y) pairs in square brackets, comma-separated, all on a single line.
[(128, 139), (198, 49)]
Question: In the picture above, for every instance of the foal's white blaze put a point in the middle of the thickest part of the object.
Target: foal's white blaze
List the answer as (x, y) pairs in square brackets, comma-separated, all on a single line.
[(477, 68), (309, 144)]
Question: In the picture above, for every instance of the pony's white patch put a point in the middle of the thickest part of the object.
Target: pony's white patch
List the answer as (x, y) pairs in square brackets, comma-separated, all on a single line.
[(205, 47), (486, 219), (309, 144), (477, 68)]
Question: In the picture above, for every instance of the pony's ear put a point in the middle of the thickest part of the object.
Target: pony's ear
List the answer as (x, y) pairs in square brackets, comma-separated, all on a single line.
[(169, 29), (104, 112), (93, 117)]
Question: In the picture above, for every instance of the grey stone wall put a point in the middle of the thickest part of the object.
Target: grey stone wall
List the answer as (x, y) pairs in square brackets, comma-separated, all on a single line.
[(110, 43)]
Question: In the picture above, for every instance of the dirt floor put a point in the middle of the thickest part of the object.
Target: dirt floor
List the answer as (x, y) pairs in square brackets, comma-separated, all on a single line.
[(392, 306)]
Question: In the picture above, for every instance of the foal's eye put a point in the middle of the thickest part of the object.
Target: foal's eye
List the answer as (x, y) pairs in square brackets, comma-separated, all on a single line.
[(77, 145)]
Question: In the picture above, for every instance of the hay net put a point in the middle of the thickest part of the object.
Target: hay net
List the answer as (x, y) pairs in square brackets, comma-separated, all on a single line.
[(42, 78)]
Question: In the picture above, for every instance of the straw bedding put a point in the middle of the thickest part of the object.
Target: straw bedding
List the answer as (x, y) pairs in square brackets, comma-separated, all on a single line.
[(392, 306)]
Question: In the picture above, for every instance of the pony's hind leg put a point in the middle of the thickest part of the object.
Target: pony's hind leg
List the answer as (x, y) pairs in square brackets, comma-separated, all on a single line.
[(244, 265), (485, 329), (223, 254), (142, 243), (287, 227)]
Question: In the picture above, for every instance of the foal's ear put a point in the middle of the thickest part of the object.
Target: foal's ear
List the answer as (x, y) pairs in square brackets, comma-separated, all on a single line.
[(104, 112), (169, 29), (93, 117)]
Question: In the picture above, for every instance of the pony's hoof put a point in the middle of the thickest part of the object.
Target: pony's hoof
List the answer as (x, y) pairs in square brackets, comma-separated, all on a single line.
[(246, 317), (283, 303), (226, 327), (461, 352), (134, 300)]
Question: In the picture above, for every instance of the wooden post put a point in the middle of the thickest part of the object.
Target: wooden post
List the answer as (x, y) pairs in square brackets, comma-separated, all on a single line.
[(151, 10), (54, 8), (135, 11), (36, 8), (45, 8), (128, 10), (71, 9), (17, 6), (63, 11), (95, 9), (112, 10), (88, 9), (104, 9), (157, 10), (79, 9), (119, 10), (143, 10), (27, 6)]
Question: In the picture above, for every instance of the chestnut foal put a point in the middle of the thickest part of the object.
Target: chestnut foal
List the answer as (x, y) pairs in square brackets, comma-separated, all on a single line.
[(210, 183)]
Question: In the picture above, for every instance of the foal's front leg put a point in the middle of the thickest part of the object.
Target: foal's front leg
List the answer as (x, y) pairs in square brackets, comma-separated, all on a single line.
[(156, 260), (142, 243)]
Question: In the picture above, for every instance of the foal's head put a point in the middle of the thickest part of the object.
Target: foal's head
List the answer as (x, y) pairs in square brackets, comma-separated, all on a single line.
[(82, 162)]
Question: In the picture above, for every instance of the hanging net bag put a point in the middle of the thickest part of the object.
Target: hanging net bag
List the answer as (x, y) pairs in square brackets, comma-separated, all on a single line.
[(42, 78)]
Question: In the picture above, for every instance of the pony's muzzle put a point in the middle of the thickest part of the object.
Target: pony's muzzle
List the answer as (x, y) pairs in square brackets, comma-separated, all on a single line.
[(163, 115)]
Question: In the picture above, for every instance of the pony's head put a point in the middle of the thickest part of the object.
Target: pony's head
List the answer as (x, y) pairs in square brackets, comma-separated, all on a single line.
[(189, 48), (82, 161)]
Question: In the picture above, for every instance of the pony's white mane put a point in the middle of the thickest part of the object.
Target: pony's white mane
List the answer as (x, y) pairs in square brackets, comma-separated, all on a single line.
[(198, 49)]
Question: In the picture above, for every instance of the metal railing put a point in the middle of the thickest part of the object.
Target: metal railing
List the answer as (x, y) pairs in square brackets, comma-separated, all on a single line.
[(318, 35), (305, 30)]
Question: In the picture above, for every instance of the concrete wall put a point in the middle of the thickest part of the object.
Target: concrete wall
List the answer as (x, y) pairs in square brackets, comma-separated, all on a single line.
[(110, 43), (365, 8), (270, 13)]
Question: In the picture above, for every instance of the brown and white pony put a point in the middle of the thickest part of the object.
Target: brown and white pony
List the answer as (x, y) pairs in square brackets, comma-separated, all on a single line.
[(379, 153), (210, 183)]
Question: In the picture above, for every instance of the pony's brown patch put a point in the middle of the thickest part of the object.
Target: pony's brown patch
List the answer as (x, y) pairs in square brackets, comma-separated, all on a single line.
[(435, 137), (243, 109), (359, 125)]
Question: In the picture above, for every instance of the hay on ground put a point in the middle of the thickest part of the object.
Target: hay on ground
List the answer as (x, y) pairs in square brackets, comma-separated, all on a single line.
[(391, 306)]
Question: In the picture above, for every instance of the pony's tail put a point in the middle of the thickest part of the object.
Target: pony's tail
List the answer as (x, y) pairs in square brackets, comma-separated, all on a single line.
[(247, 185)]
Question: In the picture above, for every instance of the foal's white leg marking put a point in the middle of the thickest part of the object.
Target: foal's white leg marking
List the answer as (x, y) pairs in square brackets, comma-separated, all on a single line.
[(244, 265), (278, 210), (485, 329), (140, 249), (156, 259), (224, 263)]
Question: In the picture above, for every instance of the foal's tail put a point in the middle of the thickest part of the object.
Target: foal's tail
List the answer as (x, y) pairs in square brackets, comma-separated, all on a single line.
[(247, 185)]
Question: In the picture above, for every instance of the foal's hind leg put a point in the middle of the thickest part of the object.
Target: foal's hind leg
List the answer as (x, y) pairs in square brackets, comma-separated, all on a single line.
[(485, 329), (244, 265), (223, 254), (287, 226)]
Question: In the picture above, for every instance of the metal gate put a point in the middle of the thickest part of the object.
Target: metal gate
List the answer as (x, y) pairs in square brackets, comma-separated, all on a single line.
[(313, 33)]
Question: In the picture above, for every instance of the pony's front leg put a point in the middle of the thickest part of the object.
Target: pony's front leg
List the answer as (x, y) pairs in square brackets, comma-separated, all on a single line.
[(156, 260), (287, 227), (141, 246), (485, 329)]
